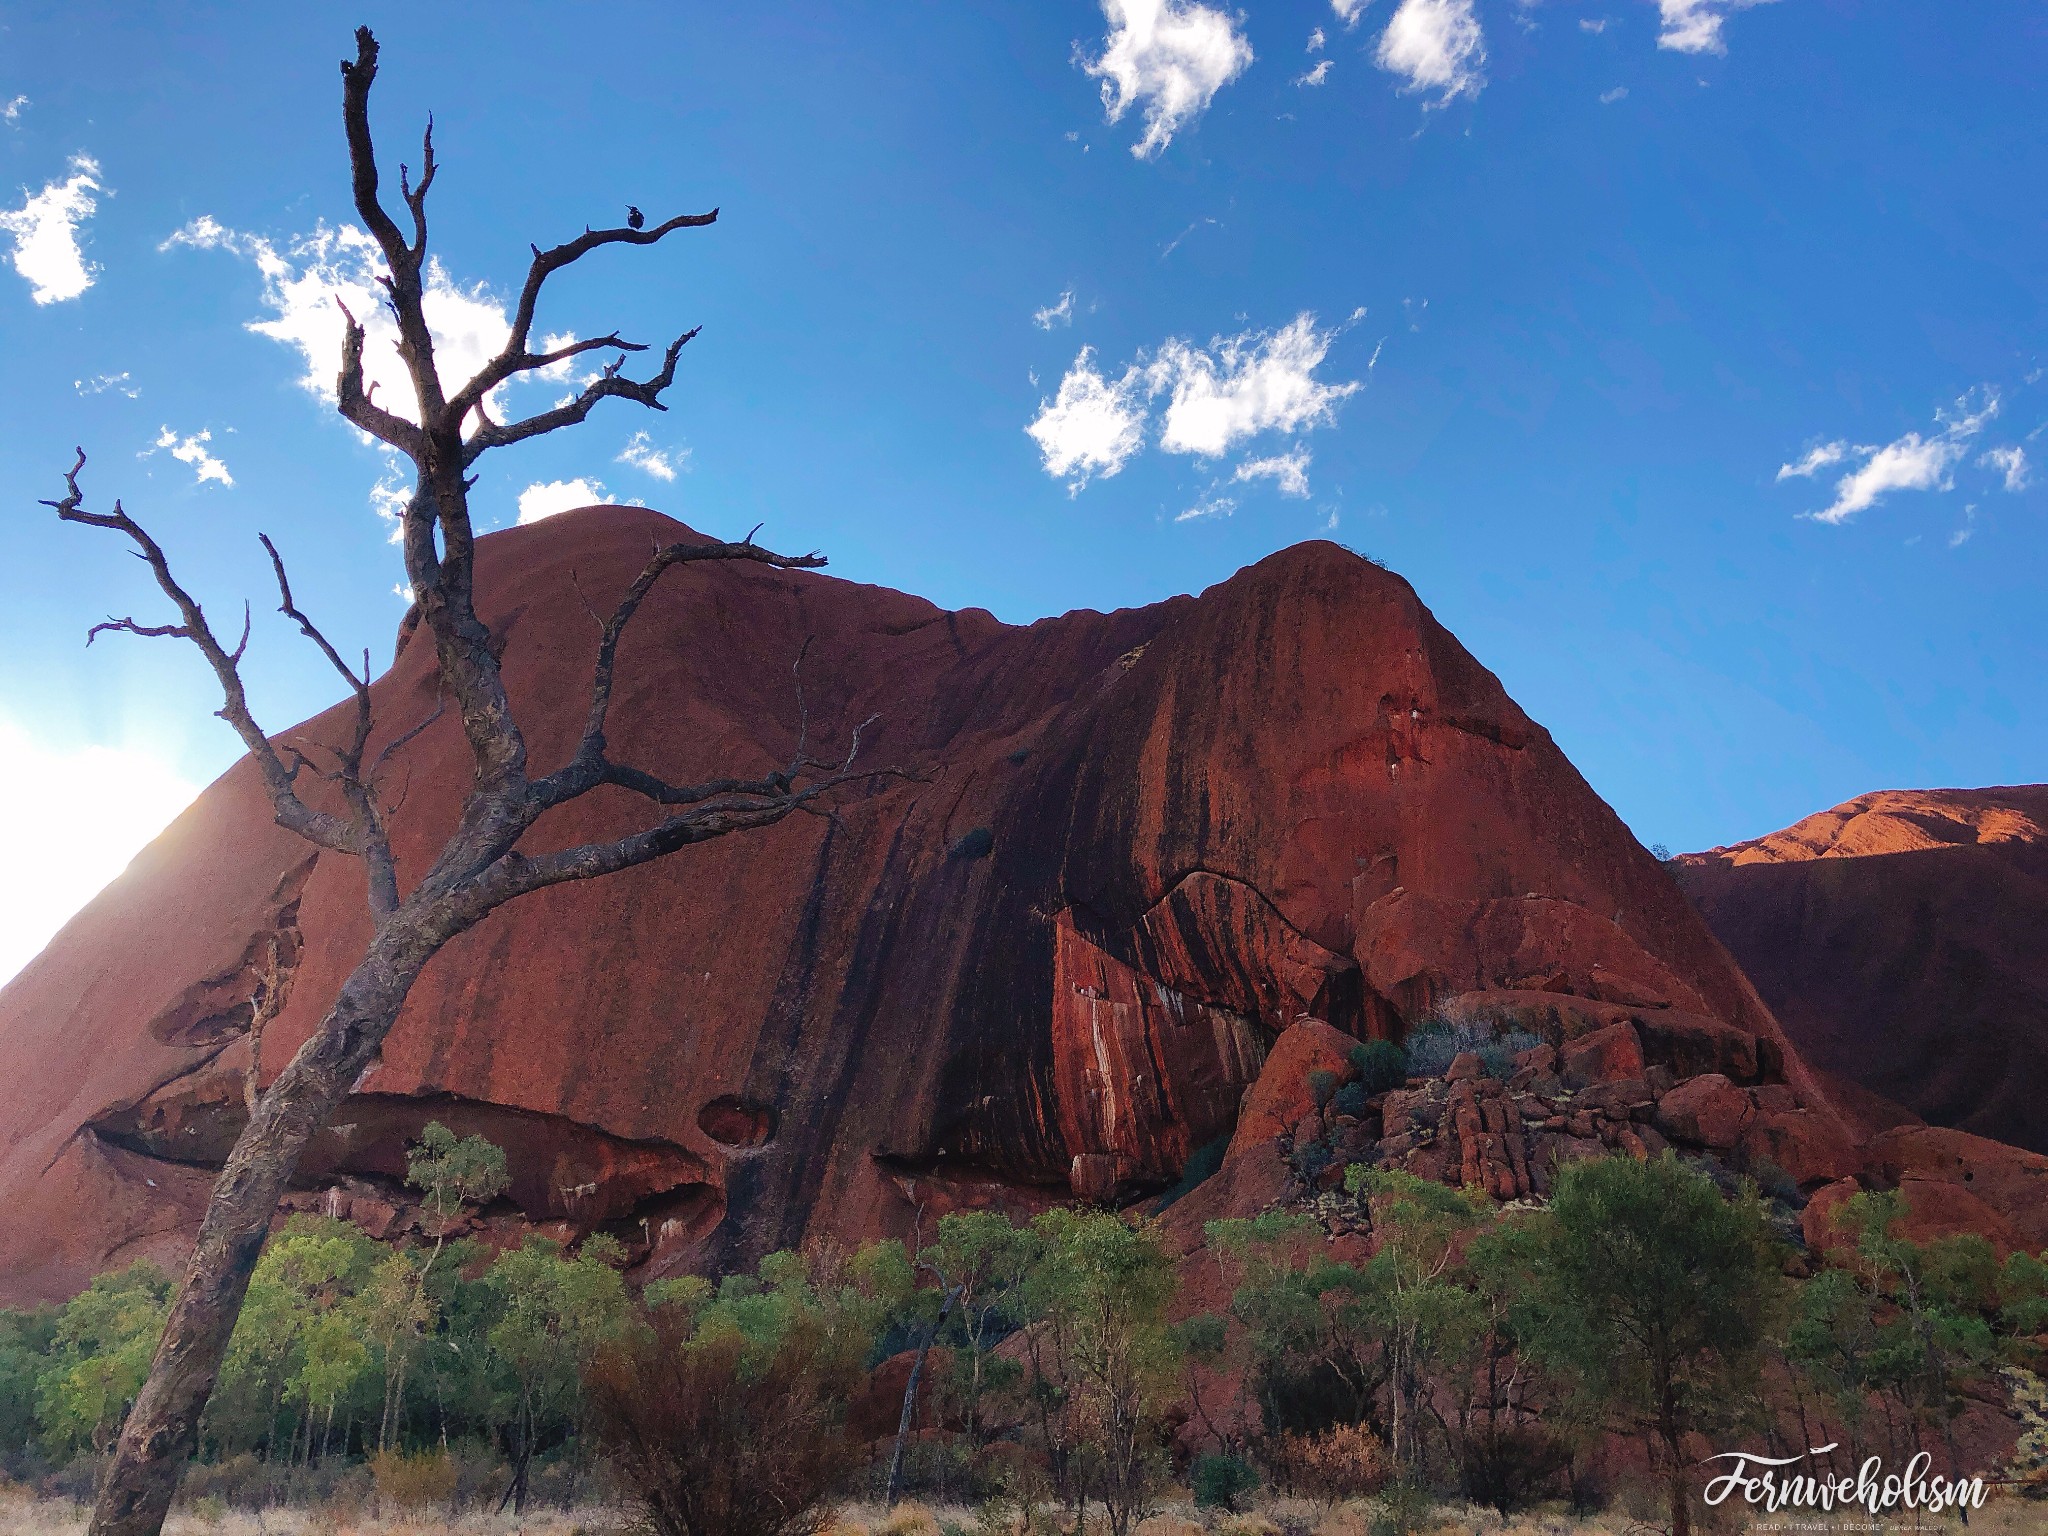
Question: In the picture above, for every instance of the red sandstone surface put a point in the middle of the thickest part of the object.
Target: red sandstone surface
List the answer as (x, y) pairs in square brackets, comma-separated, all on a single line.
[(1143, 848), (1902, 941)]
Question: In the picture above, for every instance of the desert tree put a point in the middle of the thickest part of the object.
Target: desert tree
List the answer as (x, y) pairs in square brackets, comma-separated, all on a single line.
[(332, 799)]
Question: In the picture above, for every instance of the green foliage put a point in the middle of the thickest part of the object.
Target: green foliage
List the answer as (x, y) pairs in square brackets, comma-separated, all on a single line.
[(300, 1341), (25, 1340), (1104, 1362), (1379, 1065), (1222, 1482), (1654, 1298), (99, 1356), (453, 1172)]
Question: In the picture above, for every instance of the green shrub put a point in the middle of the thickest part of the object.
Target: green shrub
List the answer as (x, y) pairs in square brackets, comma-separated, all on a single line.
[(1220, 1482), (1437, 1041), (1380, 1065)]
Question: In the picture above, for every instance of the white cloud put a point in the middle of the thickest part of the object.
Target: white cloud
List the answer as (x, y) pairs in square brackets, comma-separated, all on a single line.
[(1316, 40), (1961, 536), (100, 383), (1288, 471), (1609, 98), (193, 450), (662, 463), (1315, 76), (1061, 313), (45, 231), (1437, 45), (12, 110), (303, 282), (1092, 427), (1813, 461), (1242, 385), (1210, 505), (1348, 11), (393, 490), (2011, 463), (1912, 462), (1217, 397), (1589, 24), (1694, 26), (547, 497), (94, 810), (1172, 56)]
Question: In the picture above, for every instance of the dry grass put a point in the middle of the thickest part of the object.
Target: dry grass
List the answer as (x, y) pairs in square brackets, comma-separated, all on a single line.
[(23, 1514)]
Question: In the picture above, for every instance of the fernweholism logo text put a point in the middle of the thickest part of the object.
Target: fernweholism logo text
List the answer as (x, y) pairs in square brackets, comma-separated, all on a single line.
[(1762, 1480)]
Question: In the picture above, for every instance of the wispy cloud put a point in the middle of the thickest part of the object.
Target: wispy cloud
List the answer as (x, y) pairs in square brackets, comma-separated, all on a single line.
[(1348, 11), (1216, 398), (1210, 505), (10, 112), (544, 498), (662, 463), (1173, 245), (1694, 26), (192, 450), (1059, 313), (306, 280), (2012, 464), (1913, 462), (1170, 57), (100, 383), (1594, 24), (1609, 98), (1314, 76), (1316, 40), (1287, 471), (1814, 460), (1436, 45), (45, 232)]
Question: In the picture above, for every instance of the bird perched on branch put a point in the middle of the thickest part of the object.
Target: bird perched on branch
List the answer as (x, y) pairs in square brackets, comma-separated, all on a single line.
[(635, 219)]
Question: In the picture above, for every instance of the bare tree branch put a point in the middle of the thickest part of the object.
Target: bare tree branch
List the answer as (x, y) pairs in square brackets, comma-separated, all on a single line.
[(416, 197), (589, 766), (607, 385), (373, 839), (319, 827), (353, 398)]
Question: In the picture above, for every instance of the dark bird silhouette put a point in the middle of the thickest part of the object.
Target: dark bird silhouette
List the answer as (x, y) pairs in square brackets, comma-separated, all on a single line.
[(635, 219)]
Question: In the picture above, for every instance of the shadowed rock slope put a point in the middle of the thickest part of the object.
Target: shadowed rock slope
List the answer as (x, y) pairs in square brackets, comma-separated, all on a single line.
[(1144, 844), (1902, 940)]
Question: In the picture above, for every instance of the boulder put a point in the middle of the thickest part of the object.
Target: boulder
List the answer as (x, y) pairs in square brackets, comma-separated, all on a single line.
[(1706, 1111), (1605, 1055)]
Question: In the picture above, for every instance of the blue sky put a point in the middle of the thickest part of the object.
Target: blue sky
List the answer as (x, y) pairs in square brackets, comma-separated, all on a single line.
[(1537, 302)]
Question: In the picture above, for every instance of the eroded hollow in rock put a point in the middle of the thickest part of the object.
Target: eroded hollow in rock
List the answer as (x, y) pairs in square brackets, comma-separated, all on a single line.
[(736, 1122), (561, 1169)]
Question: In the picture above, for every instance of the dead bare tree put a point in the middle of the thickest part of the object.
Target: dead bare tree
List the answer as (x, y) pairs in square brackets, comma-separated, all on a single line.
[(480, 868)]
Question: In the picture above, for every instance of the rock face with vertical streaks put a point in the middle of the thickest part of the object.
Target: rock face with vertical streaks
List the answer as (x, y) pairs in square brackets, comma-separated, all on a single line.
[(1140, 848)]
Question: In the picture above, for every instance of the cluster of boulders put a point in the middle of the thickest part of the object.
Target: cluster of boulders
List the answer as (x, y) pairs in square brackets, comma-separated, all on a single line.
[(1588, 1097)]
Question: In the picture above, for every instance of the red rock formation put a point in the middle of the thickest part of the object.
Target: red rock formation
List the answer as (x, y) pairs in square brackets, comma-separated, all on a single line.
[(1902, 940), (1143, 842)]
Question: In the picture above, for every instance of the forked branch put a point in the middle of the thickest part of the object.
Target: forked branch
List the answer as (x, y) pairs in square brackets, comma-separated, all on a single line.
[(320, 827)]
